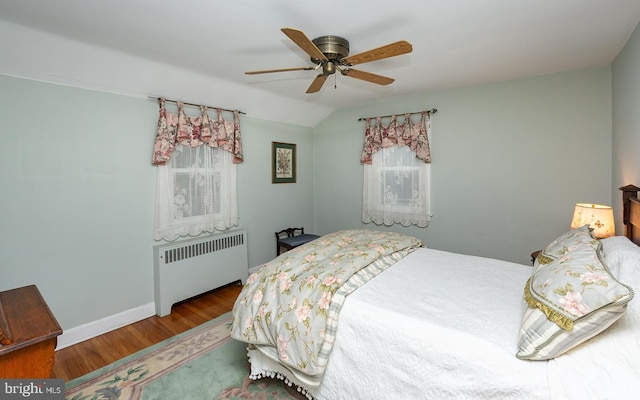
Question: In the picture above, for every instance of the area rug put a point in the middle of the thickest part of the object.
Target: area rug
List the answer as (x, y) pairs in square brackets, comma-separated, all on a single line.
[(202, 363)]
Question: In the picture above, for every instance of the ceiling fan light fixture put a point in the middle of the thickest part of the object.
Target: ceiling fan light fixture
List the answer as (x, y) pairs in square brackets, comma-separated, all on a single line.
[(329, 68)]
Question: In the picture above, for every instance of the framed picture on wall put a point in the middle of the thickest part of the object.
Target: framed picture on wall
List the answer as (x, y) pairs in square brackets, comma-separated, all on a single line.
[(283, 162)]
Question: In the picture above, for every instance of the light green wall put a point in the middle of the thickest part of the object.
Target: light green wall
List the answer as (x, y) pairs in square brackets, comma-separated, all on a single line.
[(76, 214), (509, 162), (77, 199), (265, 207), (626, 119), (76, 210)]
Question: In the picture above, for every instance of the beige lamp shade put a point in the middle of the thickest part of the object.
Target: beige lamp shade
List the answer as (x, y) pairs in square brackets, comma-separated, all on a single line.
[(599, 218)]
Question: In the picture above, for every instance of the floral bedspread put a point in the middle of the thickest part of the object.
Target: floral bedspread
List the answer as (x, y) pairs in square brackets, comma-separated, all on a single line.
[(289, 308)]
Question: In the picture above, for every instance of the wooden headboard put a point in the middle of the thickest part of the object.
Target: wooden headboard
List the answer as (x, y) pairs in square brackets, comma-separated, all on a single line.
[(631, 213)]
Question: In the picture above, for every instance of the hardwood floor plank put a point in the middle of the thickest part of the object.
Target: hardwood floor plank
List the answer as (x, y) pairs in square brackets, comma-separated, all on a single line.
[(82, 358)]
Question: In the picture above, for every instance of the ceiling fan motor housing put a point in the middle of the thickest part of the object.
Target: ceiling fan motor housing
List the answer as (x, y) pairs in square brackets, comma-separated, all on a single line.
[(334, 48)]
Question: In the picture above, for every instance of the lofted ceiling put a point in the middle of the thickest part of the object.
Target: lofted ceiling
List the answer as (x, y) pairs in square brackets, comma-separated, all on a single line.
[(198, 50)]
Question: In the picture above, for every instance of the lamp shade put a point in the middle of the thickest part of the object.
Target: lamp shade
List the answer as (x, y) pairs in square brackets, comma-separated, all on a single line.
[(599, 218)]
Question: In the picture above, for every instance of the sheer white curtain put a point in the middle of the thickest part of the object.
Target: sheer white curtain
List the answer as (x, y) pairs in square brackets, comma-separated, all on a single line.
[(196, 192), (396, 188), (397, 164)]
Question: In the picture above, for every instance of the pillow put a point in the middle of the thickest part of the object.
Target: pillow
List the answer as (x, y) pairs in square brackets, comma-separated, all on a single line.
[(570, 297), (566, 243), (619, 253)]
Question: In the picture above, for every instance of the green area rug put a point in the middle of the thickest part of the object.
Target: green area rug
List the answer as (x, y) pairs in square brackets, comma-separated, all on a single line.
[(202, 363)]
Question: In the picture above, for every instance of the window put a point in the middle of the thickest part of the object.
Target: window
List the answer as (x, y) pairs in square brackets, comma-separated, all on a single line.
[(396, 188), (196, 192)]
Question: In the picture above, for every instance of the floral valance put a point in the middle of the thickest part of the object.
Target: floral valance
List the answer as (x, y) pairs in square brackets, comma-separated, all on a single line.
[(395, 133), (180, 129)]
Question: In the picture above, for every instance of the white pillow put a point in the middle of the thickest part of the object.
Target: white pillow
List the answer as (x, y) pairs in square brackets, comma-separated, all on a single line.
[(623, 257), (619, 250)]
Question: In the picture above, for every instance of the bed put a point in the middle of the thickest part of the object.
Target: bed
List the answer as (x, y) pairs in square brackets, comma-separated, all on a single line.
[(413, 322)]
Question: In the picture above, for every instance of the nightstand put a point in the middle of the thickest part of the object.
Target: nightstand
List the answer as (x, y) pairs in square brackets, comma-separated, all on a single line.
[(534, 255)]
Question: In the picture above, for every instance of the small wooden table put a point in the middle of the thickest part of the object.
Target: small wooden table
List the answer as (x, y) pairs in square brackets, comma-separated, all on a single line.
[(28, 333), (534, 255)]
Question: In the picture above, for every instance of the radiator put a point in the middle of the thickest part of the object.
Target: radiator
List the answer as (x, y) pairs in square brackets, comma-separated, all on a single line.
[(187, 268)]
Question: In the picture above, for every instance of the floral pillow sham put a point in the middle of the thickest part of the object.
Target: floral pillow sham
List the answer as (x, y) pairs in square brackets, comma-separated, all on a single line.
[(566, 243), (570, 297)]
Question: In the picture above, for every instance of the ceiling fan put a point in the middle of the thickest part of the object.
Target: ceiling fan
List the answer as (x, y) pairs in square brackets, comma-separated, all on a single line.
[(331, 53)]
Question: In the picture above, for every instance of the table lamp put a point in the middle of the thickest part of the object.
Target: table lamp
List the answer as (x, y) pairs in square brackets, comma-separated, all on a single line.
[(599, 218)]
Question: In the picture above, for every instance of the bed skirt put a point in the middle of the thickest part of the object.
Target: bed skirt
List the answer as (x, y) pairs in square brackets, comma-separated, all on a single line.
[(262, 367)]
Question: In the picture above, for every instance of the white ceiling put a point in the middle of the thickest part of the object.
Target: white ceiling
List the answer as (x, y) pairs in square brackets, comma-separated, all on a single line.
[(198, 50)]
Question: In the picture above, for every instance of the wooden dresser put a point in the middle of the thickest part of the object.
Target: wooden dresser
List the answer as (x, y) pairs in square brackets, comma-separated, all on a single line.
[(28, 334)]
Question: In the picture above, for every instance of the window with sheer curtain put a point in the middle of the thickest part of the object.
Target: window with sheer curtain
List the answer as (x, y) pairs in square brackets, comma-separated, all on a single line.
[(197, 168), (396, 183), (196, 193)]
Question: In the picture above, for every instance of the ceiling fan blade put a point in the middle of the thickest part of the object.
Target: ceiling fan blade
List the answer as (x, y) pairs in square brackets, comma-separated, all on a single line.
[(268, 71), (390, 50), (317, 83), (304, 43), (367, 76)]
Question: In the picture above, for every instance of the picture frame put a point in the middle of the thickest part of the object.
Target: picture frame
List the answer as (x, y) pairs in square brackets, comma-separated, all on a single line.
[(283, 162)]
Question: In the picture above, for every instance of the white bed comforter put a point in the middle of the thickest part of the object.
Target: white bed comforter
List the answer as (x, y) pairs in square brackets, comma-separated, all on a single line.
[(459, 317), (447, 346), (460, 350)]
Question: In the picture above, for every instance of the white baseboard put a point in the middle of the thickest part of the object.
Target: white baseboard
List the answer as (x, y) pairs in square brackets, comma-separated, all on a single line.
[(95, 328)]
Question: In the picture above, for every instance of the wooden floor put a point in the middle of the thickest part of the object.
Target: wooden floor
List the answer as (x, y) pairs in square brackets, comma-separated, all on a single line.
[(77, 360)]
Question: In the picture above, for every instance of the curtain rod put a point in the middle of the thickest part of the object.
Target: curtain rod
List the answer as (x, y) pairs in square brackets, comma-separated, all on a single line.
[(194, 104), (432, 111)]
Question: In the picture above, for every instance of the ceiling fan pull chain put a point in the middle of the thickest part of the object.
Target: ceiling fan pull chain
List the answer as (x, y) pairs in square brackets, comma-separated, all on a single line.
[(335, 81)]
